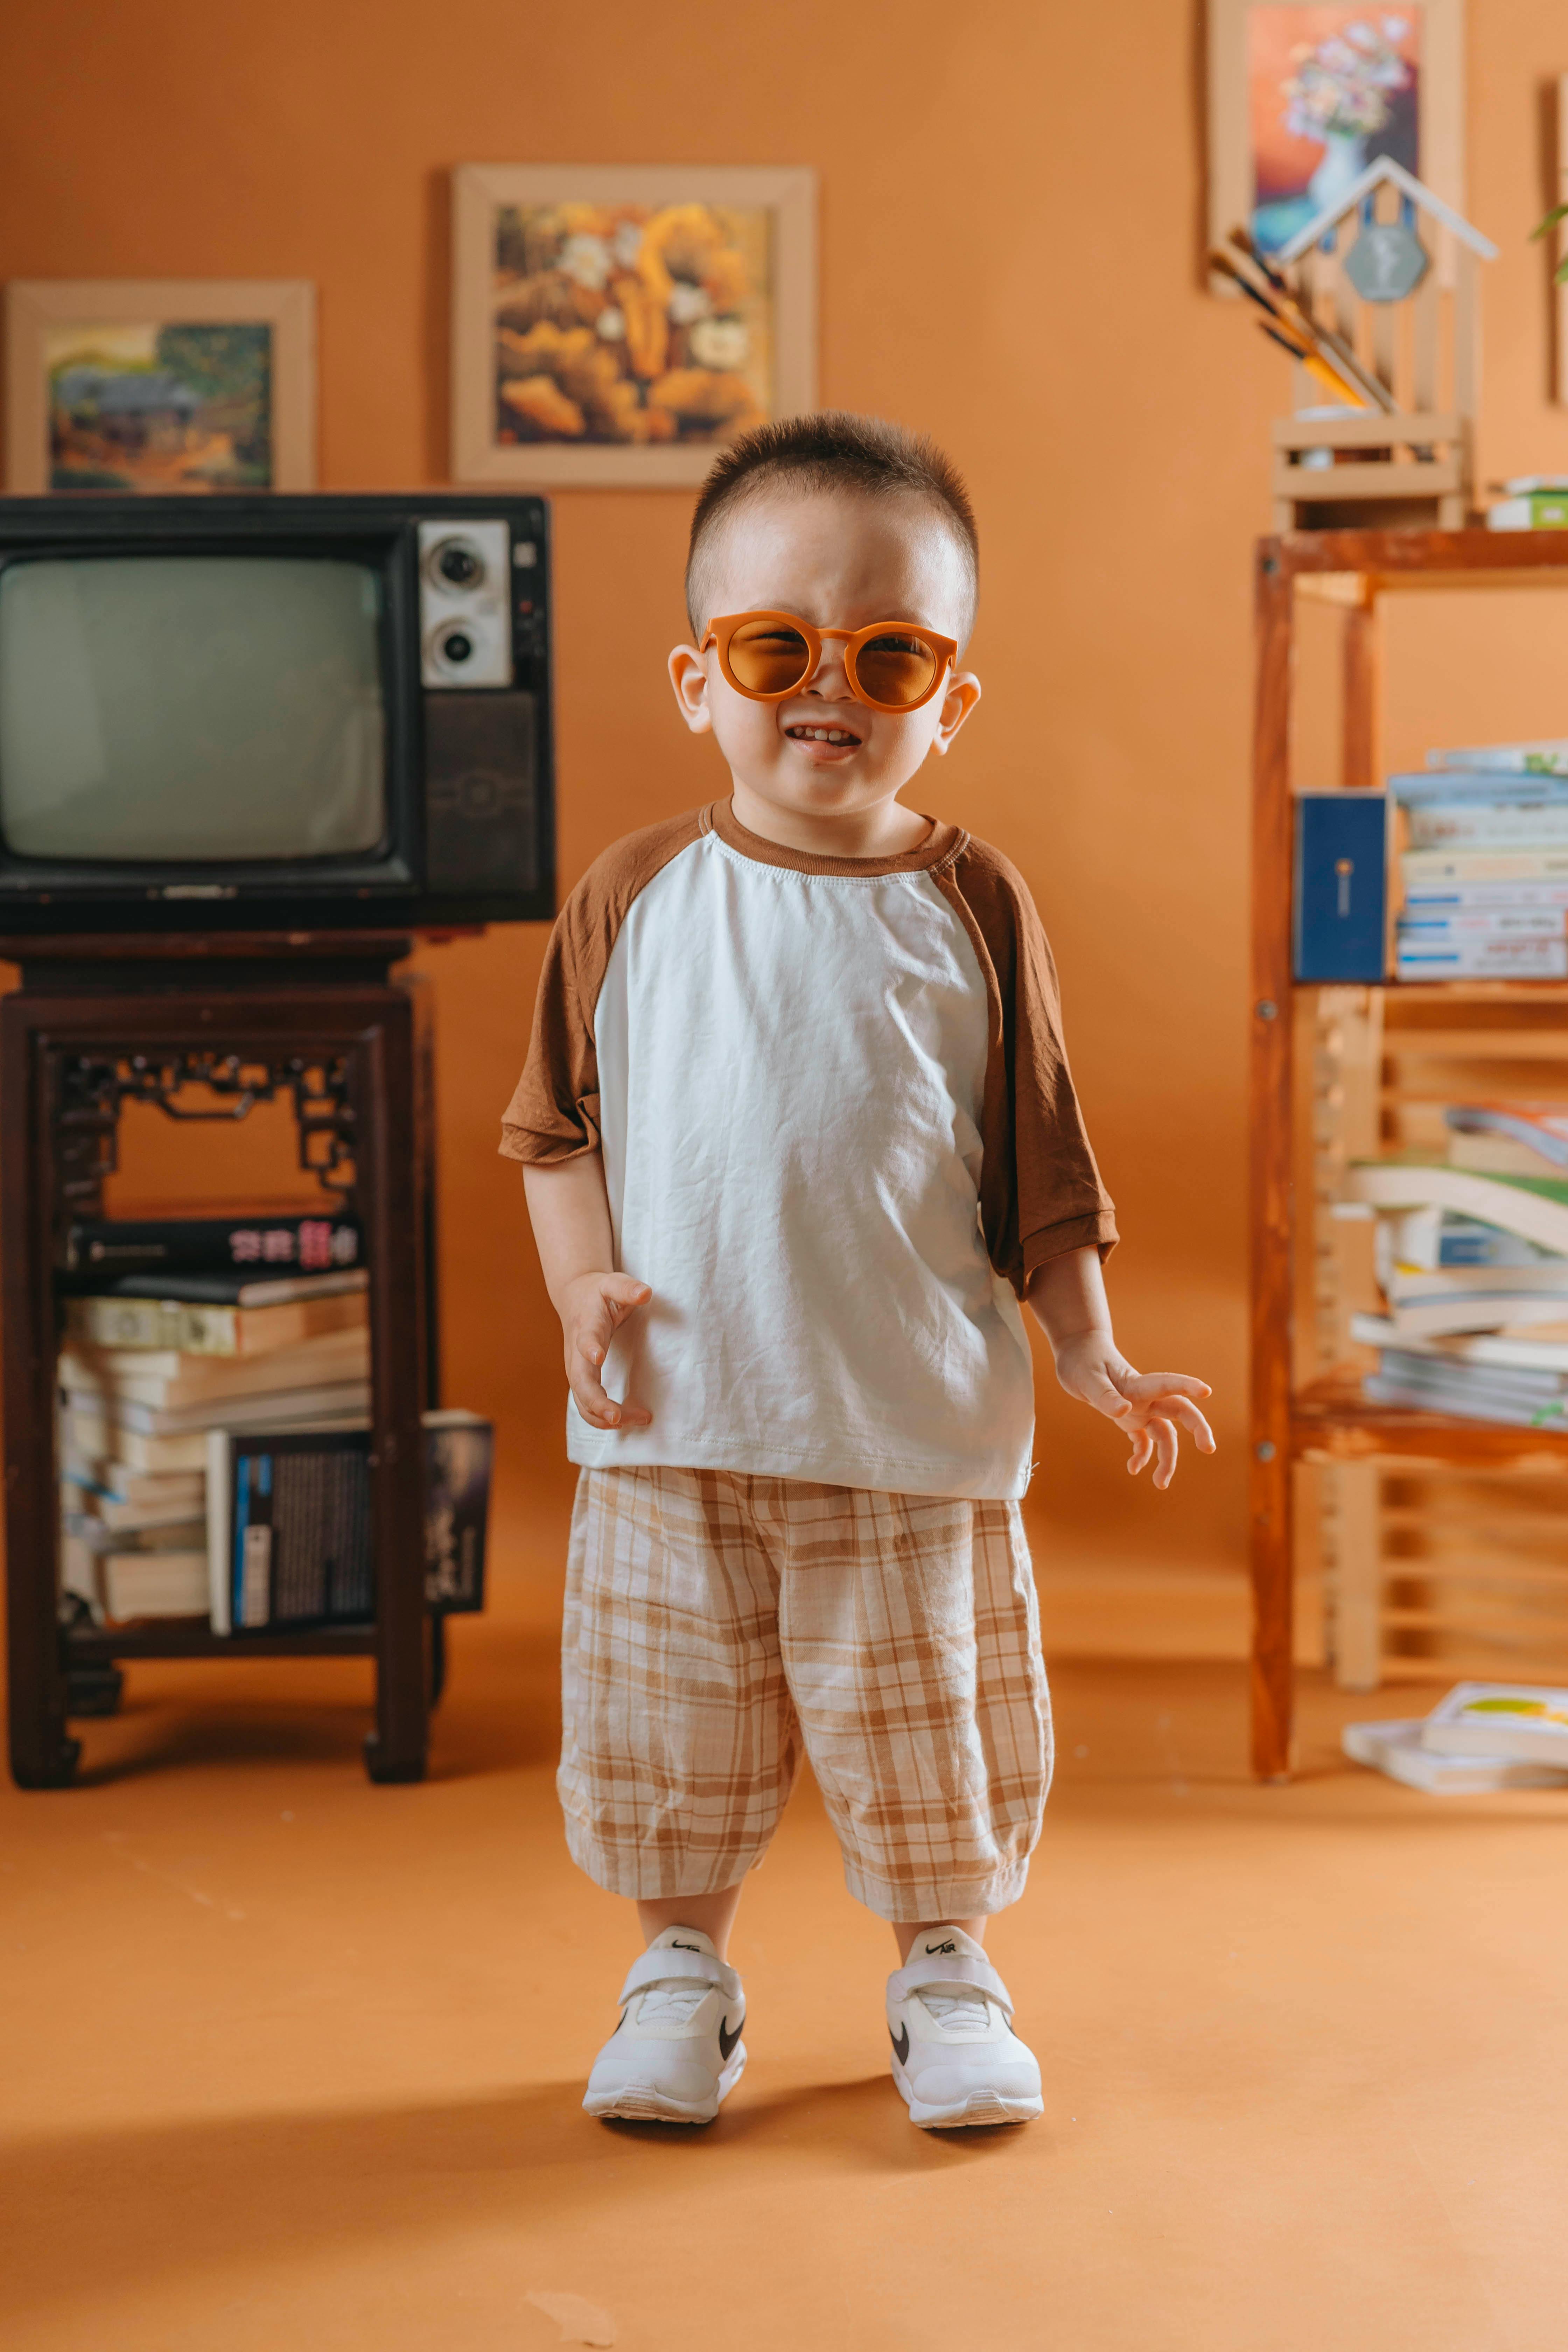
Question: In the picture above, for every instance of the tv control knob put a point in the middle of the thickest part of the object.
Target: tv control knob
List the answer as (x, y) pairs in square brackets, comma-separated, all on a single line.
[(458, 563), (456, 647)]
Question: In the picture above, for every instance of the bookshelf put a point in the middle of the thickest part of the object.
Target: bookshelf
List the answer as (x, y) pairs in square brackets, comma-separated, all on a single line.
[(317, 1017), (1334, 1072)]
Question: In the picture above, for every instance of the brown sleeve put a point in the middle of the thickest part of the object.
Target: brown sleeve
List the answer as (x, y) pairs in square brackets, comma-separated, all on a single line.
[(1040, 1194), (554, 1110)]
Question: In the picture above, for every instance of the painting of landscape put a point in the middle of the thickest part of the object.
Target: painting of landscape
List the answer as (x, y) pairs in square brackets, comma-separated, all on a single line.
[(160, 408)]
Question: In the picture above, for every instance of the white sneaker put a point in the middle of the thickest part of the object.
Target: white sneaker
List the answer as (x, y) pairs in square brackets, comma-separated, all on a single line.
[(677, 2051), (956, 2059)]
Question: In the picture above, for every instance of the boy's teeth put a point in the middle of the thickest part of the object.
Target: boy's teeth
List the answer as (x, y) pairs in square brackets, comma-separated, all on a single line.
[(822, 735)]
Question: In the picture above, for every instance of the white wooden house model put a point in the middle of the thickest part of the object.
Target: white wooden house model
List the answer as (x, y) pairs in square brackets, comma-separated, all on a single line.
[(1391, 272)]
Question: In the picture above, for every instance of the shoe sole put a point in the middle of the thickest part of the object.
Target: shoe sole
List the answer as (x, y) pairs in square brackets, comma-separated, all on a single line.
[(980, 2107), (643, 2103)]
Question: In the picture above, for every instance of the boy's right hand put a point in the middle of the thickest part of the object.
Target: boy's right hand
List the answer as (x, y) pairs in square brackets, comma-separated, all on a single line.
[(592, 1308)]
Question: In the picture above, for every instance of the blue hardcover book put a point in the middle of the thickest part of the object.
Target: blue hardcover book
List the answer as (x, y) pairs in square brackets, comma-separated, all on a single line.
[(1341, 884)]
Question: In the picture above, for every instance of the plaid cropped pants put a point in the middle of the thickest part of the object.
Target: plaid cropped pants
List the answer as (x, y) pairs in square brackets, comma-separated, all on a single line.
[(719, 1624)]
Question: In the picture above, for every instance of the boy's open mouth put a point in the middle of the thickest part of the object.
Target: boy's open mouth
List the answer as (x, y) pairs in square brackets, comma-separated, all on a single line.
[(840, 738)]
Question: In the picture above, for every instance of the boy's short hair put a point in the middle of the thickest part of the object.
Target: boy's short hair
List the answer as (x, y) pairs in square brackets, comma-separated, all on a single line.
[(832, 449)]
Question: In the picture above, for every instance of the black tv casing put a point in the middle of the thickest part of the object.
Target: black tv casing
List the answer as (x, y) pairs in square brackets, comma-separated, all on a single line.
[(471, 824)]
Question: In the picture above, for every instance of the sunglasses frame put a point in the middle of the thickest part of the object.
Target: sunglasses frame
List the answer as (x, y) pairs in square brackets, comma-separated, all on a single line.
[(721, 630)]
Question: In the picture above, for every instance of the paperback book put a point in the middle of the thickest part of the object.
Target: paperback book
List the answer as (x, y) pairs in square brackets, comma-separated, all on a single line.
[(288, 1522), (1546, 757), (231, 1328), (170, 1379), (1542, 1126), (1533, 1207), (1398, 1749), (1524, 1721), (300, 1245)]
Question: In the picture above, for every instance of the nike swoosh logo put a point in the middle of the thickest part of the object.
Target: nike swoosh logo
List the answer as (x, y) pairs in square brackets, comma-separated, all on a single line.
[(676, 1946), (727, 2040), (934, 1949), (900, 2042)]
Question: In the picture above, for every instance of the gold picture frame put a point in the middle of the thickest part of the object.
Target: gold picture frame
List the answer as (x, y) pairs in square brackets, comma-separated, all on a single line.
[(616, 324), (1262, 156), (195, 387)]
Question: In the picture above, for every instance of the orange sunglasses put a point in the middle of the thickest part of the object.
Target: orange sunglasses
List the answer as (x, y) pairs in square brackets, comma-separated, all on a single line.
[(892, 665)]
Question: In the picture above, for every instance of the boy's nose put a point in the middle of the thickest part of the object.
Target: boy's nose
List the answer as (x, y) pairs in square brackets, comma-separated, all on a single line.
[(828, 678)]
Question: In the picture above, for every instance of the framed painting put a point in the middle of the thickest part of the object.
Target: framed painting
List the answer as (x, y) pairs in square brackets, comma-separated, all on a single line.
[(619, 325), (161, 385), (1301, 99)]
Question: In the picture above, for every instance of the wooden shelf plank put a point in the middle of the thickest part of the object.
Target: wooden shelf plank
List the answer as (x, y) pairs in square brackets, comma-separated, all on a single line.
[(192, 1637), (1330, 1420)]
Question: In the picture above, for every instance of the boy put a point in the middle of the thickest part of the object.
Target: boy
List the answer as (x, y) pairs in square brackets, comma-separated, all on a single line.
[(798, 1135)]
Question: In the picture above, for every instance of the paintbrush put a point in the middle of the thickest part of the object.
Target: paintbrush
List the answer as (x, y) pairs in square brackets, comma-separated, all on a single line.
[(1327, 371), (1314, 366), (1300, 320)]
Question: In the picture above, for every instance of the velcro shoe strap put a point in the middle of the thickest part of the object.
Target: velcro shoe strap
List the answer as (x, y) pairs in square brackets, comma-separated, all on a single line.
[(930, 1974), (666, 1965)]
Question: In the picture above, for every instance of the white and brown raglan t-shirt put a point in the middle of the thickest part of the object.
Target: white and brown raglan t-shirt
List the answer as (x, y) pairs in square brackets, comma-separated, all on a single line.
[(838, 1136)]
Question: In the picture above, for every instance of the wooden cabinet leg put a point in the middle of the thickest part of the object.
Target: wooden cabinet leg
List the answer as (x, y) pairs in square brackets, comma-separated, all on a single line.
[(1273, 1613), (395, 1750), (43, 1754), (386, 1103)]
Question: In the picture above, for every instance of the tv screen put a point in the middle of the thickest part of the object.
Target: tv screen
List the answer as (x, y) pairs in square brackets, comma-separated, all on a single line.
[(191, 708)]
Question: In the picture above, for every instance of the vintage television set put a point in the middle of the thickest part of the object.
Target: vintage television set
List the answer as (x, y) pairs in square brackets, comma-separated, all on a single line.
[(274, 713)]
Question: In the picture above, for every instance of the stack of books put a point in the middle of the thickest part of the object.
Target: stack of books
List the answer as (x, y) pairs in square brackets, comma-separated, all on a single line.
[(215, 1439), (1473, 1267), (1482, 842), (1480, 1737), (172, 1329)]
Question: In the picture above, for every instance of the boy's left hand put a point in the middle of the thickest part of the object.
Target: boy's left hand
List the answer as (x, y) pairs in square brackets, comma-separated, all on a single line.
[(1150, 1406)]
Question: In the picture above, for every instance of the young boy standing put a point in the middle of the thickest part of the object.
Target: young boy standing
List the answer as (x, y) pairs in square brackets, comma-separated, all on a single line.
[(798, 1137)]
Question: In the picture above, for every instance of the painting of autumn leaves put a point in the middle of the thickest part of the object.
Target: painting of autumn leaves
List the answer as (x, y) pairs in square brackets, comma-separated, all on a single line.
[(631, 323)]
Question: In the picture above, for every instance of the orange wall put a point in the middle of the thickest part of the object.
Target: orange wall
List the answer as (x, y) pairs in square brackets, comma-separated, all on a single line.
[(1010, 199)]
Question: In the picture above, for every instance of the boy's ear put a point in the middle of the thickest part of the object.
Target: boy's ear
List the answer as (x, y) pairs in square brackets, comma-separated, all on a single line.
[(962, 693), (688, 677)]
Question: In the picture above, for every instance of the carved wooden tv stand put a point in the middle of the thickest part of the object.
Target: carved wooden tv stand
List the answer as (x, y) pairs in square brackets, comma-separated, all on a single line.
[(310, 1016)]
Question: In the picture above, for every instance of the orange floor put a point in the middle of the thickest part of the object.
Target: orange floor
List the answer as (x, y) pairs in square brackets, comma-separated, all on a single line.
[(292, 2060)]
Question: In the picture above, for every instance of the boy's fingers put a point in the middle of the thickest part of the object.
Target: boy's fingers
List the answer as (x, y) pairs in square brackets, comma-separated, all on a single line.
[(598, 1407), (1143, 1388), (618, 1297), (1179, 1409), (1143, 1447), (1166, 1447)]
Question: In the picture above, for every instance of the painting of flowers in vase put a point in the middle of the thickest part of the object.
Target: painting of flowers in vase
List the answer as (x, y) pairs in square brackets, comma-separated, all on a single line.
[(1329, 91)]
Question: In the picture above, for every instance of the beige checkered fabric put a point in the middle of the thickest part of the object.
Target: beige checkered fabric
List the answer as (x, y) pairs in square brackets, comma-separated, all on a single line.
[(718, 1623)]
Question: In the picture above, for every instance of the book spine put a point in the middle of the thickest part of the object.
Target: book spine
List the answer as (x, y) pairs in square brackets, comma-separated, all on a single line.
[(1461, 898), (1485, 923), (213, 1246), (1483, 958), (142, 1323), (1340, 885), (1425, 867), (1547, 757), (1486, 825)]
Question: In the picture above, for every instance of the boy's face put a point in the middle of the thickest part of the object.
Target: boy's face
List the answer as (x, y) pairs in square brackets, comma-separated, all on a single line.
[(839, 561)]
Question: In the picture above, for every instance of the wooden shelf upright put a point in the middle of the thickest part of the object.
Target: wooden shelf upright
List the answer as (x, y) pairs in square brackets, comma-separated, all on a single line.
[(1324, 1417), (314, 1018)]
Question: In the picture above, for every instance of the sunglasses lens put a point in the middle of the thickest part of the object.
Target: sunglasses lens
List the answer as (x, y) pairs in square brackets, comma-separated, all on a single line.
[(896, 669), (768, 657)]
